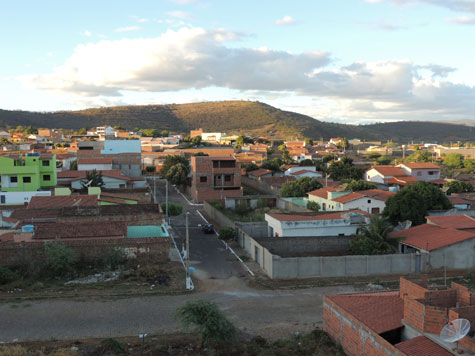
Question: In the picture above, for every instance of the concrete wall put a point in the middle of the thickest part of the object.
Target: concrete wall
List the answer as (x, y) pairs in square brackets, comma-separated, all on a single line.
[(217, 216), (469, 212), (457, 256), (259, 186), (251, 201), (277, 267), (288, 205), (255, 229), (288, 246)]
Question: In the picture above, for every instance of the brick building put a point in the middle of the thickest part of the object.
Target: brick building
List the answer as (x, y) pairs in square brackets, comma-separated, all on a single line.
[(397, 323), (215, 178)]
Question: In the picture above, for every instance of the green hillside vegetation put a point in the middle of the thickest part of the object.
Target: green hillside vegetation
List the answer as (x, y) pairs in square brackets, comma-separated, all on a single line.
[(239, 117)]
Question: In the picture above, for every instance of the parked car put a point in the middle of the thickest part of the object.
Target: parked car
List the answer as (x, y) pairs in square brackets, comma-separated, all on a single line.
[(207, 228)]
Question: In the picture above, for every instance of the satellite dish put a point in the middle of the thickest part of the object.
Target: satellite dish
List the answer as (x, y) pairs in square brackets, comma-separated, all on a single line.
[(455, 330)]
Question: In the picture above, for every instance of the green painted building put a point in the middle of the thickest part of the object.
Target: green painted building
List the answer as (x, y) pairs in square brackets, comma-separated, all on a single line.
[(28, 173)]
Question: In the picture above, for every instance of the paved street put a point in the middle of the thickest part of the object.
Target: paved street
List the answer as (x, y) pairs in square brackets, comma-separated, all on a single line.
[(220, 278)]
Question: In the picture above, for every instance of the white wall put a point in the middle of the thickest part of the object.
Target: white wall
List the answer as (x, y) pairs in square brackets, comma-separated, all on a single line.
[(109, 183), (332, 227), (22, 197), (363, 204), (97, 167), (422, 174), (373, 176)]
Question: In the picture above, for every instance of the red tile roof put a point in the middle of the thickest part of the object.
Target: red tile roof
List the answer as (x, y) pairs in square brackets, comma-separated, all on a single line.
[(453, 221), (322, 192), (62, 201), (458, 200), (389, 171), (404, 180), (303, 171), (348, 197), (377, 194), (421, 165), (278, 181), (422, 346), (95, 161), (260, 172), (431, 237), (283, 217), (380, 312), (66, 230)]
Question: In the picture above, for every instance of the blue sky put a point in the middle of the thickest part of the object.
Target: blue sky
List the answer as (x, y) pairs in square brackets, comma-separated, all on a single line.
[(354, 61)]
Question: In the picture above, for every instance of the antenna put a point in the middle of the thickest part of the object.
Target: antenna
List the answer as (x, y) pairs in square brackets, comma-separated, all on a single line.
[(455, 330)]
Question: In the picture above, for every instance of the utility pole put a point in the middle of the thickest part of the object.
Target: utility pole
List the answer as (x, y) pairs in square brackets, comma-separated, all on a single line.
[(155, 186), (187, 261), (166, 200)]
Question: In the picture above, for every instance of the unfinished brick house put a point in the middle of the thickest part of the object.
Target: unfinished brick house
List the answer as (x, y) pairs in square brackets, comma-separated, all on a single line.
[(397, 323), (215, 178)]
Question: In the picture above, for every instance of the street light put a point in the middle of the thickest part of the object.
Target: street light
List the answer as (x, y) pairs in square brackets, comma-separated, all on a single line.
[(187, 261)]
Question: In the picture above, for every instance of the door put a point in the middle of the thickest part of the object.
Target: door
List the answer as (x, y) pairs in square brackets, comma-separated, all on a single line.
[(418, 262), (257, 255)]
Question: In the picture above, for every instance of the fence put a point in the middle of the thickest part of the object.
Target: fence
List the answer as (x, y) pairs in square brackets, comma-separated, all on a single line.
[(15, 254), (278, 267)]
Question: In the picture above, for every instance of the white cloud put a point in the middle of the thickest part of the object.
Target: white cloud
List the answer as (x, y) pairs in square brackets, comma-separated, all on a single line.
[(127, 29), (286, 20), (195, 58), (454, 5), (87, 33), (463, 20), (180, 15)]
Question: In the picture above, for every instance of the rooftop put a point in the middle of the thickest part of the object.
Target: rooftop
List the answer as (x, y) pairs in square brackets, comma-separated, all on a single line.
[(322, 192), (381, 311), (284, 217), (260, 172), (430, 237), (391, 171), (458, 222), (95, 161), (421, 165), (39, 202), (422, 346)]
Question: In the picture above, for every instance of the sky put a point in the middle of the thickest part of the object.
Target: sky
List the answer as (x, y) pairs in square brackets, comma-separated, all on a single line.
[(347, 61)]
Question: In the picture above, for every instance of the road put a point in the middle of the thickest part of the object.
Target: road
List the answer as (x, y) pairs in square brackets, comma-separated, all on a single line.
[(221, 278)]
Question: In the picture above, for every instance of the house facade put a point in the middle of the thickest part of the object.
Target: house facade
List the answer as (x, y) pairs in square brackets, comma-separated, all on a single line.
[(424, 171), (214, 178)]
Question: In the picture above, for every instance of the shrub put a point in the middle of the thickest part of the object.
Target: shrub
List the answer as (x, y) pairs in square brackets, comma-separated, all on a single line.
[(114, 258), (226, 233), (60, 259), (7, 275), (173, 208), (209, 321), (313, 205)]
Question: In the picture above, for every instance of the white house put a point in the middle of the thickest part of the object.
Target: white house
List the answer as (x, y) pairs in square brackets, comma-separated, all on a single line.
[(306, 173), (380, 174), (212, 136), (314, 224), (424, 171), (112, 179), (371, 201), (99, 164), (19, 198), (292, 169)]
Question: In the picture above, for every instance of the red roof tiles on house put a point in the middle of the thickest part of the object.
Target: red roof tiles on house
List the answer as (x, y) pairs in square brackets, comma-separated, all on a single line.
[(380, 312), (452, 221), (421, 165), (389, 171), (422, 346), (322, 192), (62, 201), (302, 172), (260, 172), (283, 217), (431, 237)]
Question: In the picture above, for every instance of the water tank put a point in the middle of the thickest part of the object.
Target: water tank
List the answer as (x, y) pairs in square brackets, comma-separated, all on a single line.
[(393, 189), (27, 228)]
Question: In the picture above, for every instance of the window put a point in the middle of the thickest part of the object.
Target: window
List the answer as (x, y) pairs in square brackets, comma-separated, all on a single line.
[(45, 163), (46, 177), (369, 201), (227, 178), (2, 199), (26, 179), (431, 173), (419, 173), (203, 179), (13, 179)]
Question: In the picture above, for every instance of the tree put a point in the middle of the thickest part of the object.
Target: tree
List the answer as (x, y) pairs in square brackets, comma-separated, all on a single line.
[(344, 143), (273, 165), (469, 164), (251, 167), (419, 156), (413, 202), (82, 131), (170, 161), (177, 174), (226, 233), (209, 321), (306, 162), (313, 205), (383, 161), (357, 185), (299, 187), (286, 158), (93, 179), (150, 132), (308, 184), (196, 141), (74, 165), (373, 239), (344, 169), (308, 142), (173, 208), (240, 141), (291, 189), (4, 141), (458, 187), (165, 133), (199, 154), (454, 160), (118, 128), (60, 259)]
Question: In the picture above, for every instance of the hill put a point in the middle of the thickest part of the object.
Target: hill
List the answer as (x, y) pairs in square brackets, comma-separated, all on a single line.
[(232, 117)]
